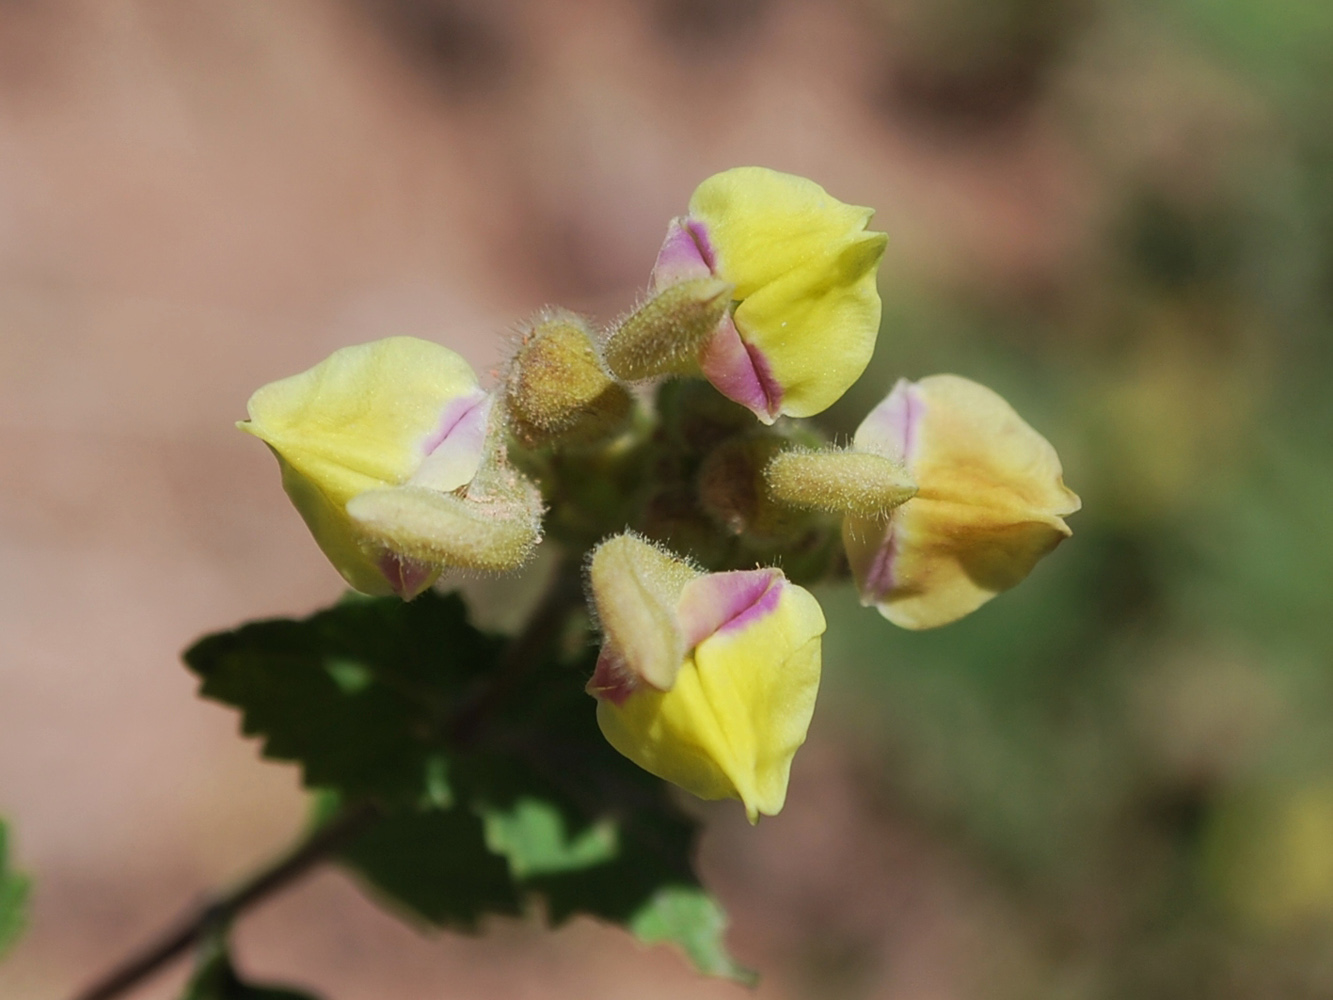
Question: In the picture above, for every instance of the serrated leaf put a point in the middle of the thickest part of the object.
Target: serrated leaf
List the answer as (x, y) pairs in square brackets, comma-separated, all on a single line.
[(360, 694), (216, 979), (525, 800), (588, 831), (434, 865), (13, 896)]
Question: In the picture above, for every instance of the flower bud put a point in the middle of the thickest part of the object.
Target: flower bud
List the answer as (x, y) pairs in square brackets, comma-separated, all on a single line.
[(806, 310), (391, 426), (840, 482), (557, 390), (665, 334), (423, 527), (741, 658), (989, 503), (636, 587)]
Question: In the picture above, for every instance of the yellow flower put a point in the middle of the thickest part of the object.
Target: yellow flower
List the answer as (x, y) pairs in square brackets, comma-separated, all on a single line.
[(799, 269), (706, 680), (375, 443), (989, 503)]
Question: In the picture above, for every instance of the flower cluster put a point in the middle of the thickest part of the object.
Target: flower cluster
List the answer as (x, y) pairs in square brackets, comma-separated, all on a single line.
[(667, 448)]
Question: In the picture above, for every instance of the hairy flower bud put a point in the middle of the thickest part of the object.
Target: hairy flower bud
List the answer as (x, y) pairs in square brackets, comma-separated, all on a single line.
[(557, 390), (806, 310), (665, 334), (636, 587), (840, 482), (493, 531), (990, 502), (706, 680), (377, 444)]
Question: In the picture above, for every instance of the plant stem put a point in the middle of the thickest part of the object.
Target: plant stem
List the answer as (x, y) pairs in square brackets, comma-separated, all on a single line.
[(198, 923)]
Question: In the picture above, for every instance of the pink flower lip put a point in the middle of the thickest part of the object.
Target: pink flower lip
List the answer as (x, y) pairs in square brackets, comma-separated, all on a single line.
[(458, 414), (879, 581), (740, 372), (454, 450), (406, 577), (727, 602), (686, 253)]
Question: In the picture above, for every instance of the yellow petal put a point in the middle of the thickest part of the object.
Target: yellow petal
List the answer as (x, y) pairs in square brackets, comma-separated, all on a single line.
[(368, 417), (804, 268), (989, 505), (762, 224), (816, 326), (738, 711)]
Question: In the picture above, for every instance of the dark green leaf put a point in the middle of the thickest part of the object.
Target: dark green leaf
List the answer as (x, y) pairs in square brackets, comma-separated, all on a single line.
[(13, 896), (588, 831), (361, 695), (216, 979), (499, 788), (435, 866)]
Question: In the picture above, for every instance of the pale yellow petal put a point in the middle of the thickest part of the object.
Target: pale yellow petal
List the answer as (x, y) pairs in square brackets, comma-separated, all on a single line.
[(990, 503), (366, 412), (366, 418)]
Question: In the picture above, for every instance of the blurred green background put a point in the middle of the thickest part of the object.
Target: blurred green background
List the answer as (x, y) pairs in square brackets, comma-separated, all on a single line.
[(1138, 743), (1115, 781)]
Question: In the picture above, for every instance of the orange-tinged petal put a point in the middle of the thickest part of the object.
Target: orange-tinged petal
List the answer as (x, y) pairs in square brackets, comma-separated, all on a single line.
[(990, 502)]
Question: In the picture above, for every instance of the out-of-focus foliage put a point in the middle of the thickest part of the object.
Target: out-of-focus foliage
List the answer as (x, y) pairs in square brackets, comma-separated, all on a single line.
[(1138, 743), (496, 788), (13, 895)]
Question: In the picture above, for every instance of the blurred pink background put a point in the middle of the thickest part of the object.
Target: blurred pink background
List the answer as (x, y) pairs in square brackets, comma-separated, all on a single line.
[(197, 198)]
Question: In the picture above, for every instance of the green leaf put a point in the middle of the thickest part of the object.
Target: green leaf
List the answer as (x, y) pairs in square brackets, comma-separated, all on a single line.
[(13, 896), (435, 866), (689, 917), (499, 790), (589, 832), (533, 836), (361, 695), (215, 978)]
